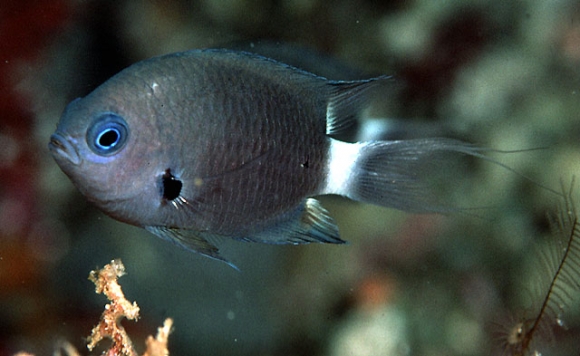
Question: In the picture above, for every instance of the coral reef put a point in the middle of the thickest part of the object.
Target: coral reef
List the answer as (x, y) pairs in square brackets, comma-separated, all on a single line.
[(110, 327)]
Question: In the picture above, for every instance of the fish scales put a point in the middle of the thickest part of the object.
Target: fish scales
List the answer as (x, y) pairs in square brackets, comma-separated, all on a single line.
[(232, 117)]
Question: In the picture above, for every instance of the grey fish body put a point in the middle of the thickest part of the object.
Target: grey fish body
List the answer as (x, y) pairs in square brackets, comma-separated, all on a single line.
[(221, 143)]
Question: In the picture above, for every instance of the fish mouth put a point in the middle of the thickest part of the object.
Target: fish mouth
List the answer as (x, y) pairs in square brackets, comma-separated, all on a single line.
[(59, 146)]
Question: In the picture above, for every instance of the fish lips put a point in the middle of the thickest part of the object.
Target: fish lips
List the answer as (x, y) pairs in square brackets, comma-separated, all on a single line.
[(62, 148)]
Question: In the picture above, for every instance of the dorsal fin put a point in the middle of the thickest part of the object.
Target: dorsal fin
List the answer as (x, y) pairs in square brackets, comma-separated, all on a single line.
[(346, 101)]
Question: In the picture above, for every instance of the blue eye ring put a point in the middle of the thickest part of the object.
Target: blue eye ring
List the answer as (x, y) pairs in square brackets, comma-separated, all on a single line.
[(107, 134)]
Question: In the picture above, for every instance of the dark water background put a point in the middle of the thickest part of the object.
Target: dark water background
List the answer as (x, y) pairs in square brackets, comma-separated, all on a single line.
[(502, 74)]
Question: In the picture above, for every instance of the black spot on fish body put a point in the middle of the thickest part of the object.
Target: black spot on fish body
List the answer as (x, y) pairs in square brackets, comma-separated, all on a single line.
[(170, 187)]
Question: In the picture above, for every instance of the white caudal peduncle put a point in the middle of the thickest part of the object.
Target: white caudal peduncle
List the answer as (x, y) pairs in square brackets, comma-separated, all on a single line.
[(342, 157)]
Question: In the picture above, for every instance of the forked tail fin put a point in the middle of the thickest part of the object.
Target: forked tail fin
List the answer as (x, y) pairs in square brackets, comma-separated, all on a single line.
[(397, 174)]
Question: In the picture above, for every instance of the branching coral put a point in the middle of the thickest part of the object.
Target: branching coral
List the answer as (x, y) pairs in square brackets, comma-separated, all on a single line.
[(158, 346), (110, 327), (119, 307)]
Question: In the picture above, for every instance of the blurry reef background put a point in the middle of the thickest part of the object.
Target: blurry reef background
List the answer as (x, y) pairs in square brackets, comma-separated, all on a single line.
[(503, 74)]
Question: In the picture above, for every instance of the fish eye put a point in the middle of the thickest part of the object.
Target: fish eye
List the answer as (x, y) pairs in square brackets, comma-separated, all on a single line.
[(107, 134)]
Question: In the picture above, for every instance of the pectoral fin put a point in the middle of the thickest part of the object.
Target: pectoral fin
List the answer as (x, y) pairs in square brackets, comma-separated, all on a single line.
[(189, 239)]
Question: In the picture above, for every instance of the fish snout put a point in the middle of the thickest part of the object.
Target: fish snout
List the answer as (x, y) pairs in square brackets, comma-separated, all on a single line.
[(62, 148)]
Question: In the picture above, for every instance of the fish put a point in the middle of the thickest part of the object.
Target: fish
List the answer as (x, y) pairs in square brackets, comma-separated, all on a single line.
[(215, 143)]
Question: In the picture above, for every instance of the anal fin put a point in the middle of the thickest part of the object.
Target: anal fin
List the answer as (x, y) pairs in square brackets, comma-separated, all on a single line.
[(308, 223)]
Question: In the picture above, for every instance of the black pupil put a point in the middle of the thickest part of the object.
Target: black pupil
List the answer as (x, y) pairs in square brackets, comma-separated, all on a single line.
[(108, 138)]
